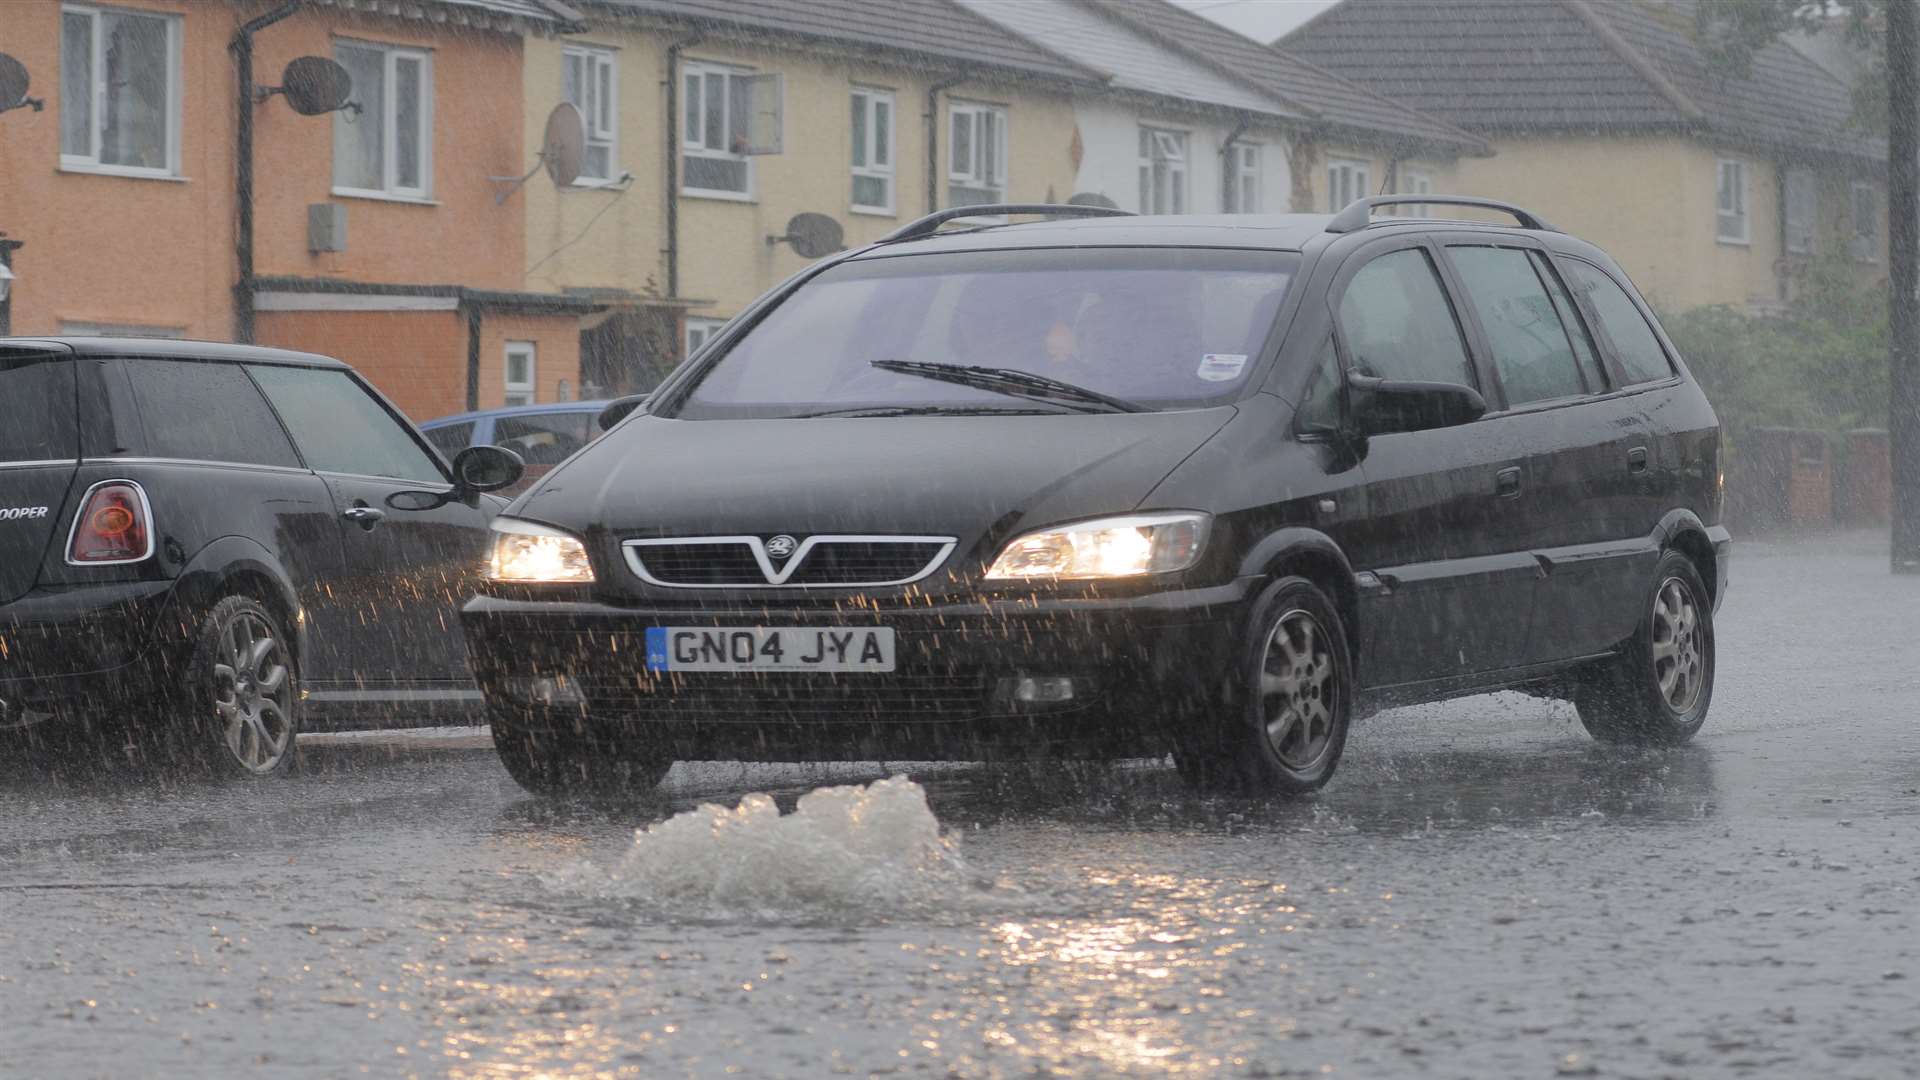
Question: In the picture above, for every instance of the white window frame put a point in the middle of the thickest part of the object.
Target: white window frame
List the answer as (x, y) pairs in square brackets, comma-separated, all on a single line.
[(700, 331), (88, 328), (1347, 179), (1731, 202), (90, 162), (390, 57), (977, 172), (1864, 247), (600, 116), (1245, 169), (526, 390), (1800, 211), (1163, 157), (697, 72), (1415, 182), (867, 99)]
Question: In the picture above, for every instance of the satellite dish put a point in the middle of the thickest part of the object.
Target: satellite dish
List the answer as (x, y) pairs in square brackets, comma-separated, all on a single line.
[(812, 235), (13, 85), (1091, 198), (563, 150), (315, 85)]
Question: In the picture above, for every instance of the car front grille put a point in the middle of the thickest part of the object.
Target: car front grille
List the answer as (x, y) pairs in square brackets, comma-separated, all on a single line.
[(734, 562), (716, 698)]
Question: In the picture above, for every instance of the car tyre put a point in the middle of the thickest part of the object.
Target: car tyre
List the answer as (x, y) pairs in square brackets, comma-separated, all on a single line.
[(1655, 692), (242, 691), (1281, 724), (554, 764)]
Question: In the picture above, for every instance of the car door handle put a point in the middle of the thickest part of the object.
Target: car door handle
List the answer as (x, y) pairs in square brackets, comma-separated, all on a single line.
[(1506, 483), (1637, 459), (364, 516)]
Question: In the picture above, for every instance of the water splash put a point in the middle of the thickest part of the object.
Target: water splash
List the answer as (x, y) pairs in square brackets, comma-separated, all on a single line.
[(853, 851)]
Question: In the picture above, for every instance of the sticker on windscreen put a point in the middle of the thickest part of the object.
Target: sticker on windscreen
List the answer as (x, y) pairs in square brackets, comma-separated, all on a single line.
[(1222, 367)]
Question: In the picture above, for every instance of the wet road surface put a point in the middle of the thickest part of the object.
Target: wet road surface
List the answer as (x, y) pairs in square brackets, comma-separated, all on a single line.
[(1482, 892)]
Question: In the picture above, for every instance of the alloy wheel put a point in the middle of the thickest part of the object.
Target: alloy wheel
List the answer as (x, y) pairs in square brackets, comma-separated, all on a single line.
[(1298, 681), (252, 693), (1678, 660)]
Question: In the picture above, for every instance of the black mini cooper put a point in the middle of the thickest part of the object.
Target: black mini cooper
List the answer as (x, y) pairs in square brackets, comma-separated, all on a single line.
[(228, 542), (1104, 484)]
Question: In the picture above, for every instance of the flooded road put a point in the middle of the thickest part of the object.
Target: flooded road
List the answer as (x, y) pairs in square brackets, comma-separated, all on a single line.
[(1482, 891)]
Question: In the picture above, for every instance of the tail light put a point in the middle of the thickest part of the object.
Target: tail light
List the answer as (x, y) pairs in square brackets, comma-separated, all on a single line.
[(115, 526)]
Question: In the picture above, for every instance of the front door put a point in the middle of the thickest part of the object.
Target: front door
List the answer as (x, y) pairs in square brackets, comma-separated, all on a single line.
[(388, 615), (1455, 584)]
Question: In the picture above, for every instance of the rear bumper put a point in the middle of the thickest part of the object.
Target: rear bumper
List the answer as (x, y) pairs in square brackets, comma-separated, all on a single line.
[(76, 648), (1133, 663), (1722, 541)]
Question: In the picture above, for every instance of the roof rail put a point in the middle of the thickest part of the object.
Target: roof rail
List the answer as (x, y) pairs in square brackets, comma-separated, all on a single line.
[(1359, 213), (930, 224)]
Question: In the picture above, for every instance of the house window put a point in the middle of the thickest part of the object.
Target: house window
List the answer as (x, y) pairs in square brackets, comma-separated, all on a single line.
[(729, 116), (1346, 181), (977, 156), (521, 356), (1863, 203), (1243, 178), (1163, 171), (873, 151), (1416, 182), (119, 91), (589, 78), (387, 147), (1731, 222), (701, 331), (1800, 219)]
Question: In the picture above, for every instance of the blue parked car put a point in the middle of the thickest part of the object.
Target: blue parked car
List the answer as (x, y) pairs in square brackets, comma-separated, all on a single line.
[(543, 435)]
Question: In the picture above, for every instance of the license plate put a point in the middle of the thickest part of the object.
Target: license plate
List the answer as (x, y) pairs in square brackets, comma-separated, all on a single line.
[(760, 648)]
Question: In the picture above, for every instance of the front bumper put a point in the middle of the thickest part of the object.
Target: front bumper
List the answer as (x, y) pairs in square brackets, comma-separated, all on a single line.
[(80, 649), (1133, 661)]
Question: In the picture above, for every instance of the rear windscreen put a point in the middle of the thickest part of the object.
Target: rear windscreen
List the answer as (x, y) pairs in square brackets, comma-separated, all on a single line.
[(37, 421)]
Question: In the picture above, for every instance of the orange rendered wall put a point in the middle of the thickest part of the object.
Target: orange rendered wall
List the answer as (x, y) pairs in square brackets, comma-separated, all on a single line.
[(556, 342), (417, 358)]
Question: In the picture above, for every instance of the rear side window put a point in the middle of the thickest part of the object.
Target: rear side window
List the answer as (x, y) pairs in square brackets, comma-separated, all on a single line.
[(206, 412), (1634, 343), (1532, 348), (37, 401), (450, 439), (1397, 323), (544, 438), (341, 428)]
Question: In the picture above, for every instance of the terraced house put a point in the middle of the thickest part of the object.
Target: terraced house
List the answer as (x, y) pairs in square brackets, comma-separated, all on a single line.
[(1709, 186)]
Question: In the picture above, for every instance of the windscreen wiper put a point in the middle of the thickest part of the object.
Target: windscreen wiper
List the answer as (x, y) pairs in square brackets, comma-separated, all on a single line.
[(931, 410), (1013, 382)]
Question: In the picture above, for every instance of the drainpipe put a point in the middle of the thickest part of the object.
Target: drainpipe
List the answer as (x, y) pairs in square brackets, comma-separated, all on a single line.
[(933, 137), (242, 48), (1226, 166), (673, 162), (473, 353)]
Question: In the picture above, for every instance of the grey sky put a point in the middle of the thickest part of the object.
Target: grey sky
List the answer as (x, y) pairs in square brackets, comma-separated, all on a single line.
[(1262, 20)]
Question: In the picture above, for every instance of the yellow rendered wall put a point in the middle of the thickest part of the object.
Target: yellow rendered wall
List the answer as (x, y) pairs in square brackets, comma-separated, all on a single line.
[(724, 254)]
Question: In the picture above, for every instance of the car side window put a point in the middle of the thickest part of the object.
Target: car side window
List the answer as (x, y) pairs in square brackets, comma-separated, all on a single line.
[(543, 438), (203, 411), (450, 439), (342, 428), (1532, 349), (1319, 410), (1584, 350), (1635, 345), (1397, 323)]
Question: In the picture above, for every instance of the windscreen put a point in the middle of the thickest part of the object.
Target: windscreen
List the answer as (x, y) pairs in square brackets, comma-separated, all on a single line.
[(1164, 328)]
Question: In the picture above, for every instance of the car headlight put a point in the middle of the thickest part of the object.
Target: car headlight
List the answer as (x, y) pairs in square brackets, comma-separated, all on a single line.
[(528, 554), (1106, 548)]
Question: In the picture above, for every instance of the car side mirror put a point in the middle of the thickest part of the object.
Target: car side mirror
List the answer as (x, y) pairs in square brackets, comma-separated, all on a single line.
[(619, 409), (1386, 406), (486, 468)]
